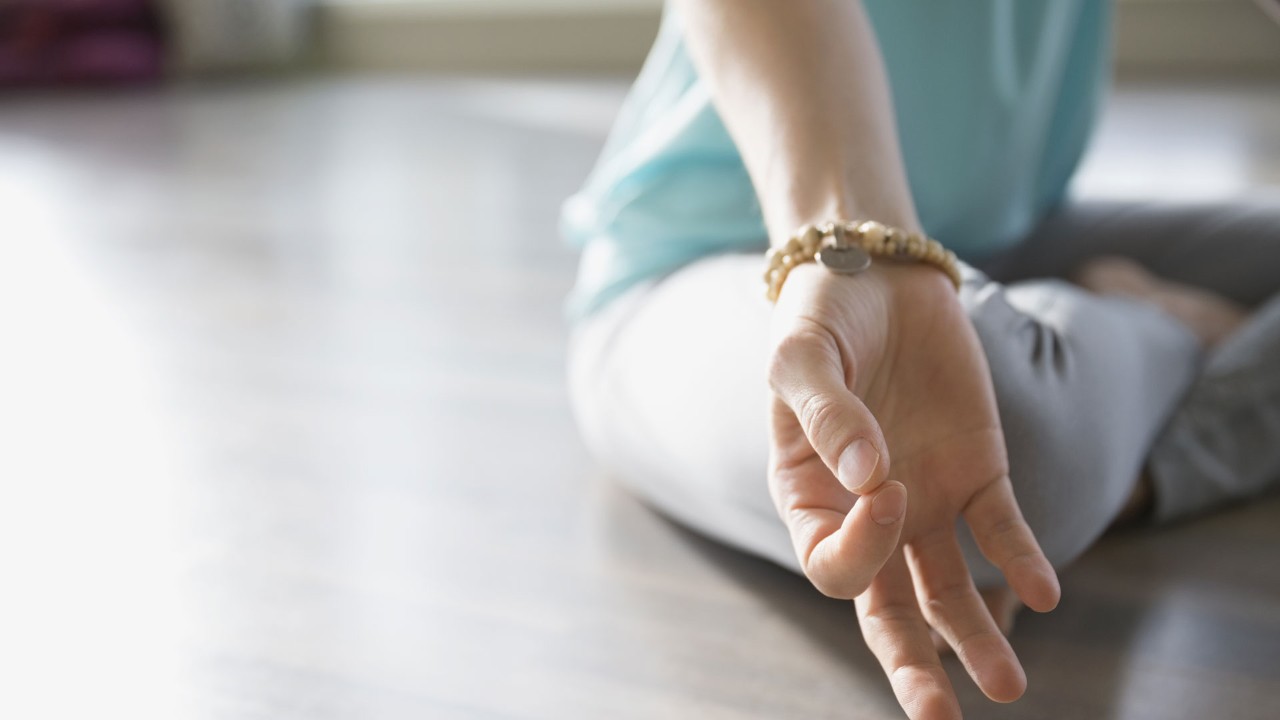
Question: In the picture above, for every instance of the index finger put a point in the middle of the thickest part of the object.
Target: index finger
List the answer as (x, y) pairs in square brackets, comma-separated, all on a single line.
[(835, 534)]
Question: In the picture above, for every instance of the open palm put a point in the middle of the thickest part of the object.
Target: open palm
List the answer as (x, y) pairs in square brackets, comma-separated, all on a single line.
[(883, 401)]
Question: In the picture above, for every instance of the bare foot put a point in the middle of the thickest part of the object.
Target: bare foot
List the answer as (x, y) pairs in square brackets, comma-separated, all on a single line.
[(1004, 606), (1211, 317), (1139, 505)]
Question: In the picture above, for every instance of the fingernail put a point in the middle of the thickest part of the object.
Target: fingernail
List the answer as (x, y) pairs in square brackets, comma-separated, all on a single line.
[(889, 504), (857, 463)]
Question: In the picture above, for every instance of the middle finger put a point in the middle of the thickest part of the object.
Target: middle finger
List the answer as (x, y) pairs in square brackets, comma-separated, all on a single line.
[(950, 602), (896, 632)]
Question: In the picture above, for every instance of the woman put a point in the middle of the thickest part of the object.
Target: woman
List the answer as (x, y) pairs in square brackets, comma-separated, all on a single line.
[(848, 430)]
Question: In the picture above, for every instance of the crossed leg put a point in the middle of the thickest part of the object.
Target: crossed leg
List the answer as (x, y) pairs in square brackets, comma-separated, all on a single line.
[(669, 381)]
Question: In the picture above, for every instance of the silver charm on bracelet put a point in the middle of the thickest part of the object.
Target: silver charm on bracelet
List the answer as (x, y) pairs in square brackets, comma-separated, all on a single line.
[(841, 256)]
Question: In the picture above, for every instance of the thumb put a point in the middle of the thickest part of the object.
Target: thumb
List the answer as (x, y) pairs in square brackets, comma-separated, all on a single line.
[(808, 375)]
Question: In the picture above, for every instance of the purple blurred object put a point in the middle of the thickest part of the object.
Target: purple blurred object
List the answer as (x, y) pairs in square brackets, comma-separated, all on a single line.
[(61, 42)]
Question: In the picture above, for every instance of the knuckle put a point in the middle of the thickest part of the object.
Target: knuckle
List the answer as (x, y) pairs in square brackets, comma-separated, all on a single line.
[(1003, 528), (818, 414), (1009, 538), (951, 595), (965, 643), (1022, 557), (885, 628), (1000, 536), (903, 669), (891, 615), (940, 605)]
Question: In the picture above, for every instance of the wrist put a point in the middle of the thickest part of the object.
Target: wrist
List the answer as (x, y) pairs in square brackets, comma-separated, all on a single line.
[(890, 277), (847, 247), (804, 207)]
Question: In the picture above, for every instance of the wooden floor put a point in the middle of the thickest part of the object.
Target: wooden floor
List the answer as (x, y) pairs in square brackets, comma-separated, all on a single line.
[(283, 434)]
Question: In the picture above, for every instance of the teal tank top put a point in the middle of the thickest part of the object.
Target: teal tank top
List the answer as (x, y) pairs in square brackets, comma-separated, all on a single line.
[(994, 101)]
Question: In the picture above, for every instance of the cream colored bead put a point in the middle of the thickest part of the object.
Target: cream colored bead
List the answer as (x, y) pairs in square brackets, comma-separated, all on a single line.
[(775, 288), (810, 240), (876, 238), (913, 245), (896, 241), (872, 232)]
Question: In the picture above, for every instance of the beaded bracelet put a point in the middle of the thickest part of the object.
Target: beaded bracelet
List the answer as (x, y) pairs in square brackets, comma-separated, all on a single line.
[(847, 247)]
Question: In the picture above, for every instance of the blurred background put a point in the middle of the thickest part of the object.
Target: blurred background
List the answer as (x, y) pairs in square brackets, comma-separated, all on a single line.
[(283, 429)]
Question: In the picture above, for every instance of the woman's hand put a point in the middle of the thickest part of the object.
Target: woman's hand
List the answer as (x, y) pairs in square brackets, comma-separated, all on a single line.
[(888, 356), (882, 404)]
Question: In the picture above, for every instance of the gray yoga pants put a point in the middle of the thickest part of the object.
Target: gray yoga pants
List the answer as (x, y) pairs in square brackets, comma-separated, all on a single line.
[(669, 381)]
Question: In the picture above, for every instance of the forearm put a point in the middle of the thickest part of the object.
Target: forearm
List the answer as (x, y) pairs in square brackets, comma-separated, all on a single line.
[(802, 89)]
